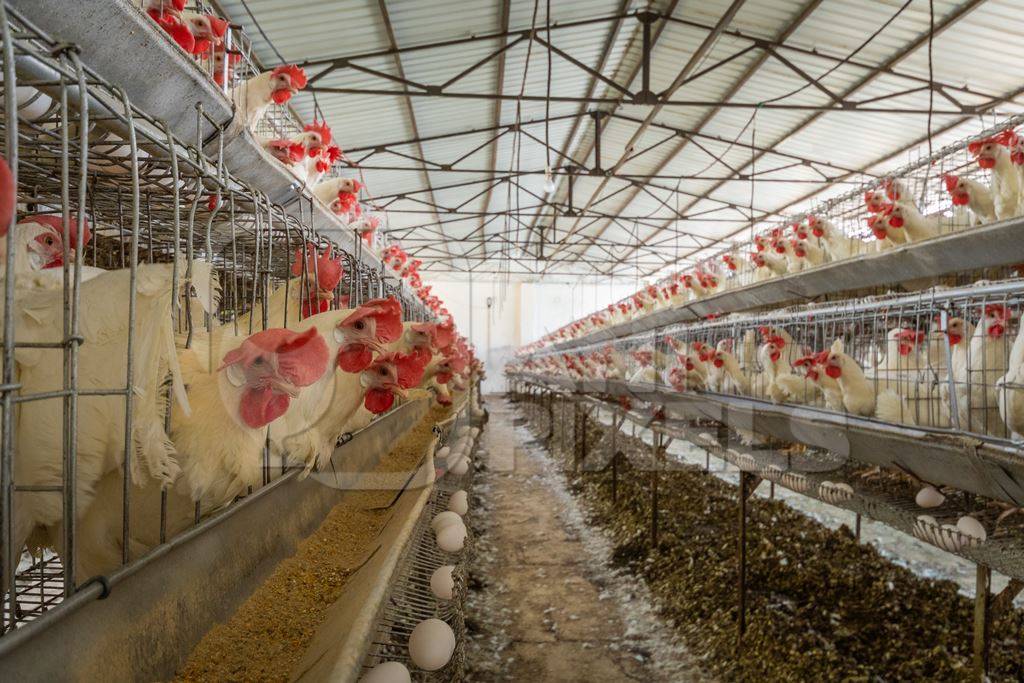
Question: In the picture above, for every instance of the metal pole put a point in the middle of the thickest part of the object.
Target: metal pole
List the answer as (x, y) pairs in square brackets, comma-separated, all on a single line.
[(655, 448), (583, 437), (8, 567), (741, 621), (856, 532), (982, 624), (615, 458)]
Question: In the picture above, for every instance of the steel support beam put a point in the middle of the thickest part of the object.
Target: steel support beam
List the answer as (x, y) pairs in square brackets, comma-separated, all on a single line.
[(410, 110), (687, 69), (921, 41), (807, 10)]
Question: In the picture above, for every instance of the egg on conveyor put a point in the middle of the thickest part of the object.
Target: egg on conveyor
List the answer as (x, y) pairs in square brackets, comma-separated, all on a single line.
[(443, 519), (461, 467), (459, 502), (452, 537), (474, 432), (969, 526), (443, 452), (387, 672), (431, 644), (442, 585), (929, 497), (463, 430)]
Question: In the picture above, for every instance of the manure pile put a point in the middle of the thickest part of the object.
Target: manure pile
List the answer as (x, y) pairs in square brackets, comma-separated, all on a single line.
[(820, 605)]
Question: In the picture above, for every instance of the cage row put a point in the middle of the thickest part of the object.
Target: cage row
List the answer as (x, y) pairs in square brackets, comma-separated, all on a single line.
[(946, 359)]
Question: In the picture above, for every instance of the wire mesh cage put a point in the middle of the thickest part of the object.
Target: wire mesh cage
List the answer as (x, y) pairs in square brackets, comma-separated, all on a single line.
[(945, 359), (973, 182), (114, 212), (411, 599)]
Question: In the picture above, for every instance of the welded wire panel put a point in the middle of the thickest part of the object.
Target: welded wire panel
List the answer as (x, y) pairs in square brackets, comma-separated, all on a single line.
[(940, 359), (84, 156), (410, 599)]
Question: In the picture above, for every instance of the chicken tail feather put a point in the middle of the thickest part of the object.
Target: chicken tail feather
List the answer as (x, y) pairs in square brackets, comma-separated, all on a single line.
[(891, 407)]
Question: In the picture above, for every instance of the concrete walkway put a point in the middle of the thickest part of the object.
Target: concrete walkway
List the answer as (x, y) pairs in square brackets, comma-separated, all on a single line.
[(551, 609)]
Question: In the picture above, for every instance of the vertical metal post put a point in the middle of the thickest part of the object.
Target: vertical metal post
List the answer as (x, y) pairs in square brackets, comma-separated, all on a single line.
[(741, 619), (10, 555), (615, 457), (655, 457), (133, 264), (982, 624), (583, 436), (646, 64), (856, 531), (771, 490)]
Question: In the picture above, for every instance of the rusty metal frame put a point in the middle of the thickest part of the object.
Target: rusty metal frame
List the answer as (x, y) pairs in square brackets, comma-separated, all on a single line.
[(885, 68)]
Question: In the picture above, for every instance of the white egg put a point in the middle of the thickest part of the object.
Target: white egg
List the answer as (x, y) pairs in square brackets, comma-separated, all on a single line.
[(459, 502), (969, 526), (463, 430), (460, 468), (929, 497), (452, 537), (387, 672), (474, 432), (442, 585), (431, 644), (443, 519), (443, 451), (950, 538), (32, 104)]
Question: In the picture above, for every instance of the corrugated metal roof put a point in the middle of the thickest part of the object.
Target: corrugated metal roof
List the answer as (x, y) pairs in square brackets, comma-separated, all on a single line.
[(977, 57)]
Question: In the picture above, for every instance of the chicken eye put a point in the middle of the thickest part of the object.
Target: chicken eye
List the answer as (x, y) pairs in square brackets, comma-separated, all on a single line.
[(360, 325), (383, 372), (49, 241), (258, 362)]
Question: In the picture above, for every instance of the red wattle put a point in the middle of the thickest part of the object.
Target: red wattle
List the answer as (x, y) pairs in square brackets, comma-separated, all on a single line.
[(281, 96), (378, 400), (833, 371), (260, 407), (986, 162), (355, 358)]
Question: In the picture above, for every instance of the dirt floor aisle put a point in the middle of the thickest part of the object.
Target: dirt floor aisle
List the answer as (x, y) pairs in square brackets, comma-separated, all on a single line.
[(544, 605)]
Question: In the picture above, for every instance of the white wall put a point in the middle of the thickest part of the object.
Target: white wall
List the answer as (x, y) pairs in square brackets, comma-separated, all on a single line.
[(519, 312)]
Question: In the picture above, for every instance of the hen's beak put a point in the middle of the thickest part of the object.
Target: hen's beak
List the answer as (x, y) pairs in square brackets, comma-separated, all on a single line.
[(284, 386)]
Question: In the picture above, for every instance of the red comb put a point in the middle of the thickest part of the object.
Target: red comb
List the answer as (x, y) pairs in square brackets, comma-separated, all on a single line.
[(217, 25), (57, 224), (296, 73), (951, 181), (322, 129), (302, 358)]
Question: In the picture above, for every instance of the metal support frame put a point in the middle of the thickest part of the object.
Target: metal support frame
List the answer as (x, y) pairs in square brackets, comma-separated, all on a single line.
[(747, 485), (657, 453), (982, 623)]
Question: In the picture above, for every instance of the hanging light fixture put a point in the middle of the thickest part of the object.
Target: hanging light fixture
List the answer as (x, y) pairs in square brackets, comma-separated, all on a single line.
[(549, 180)]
